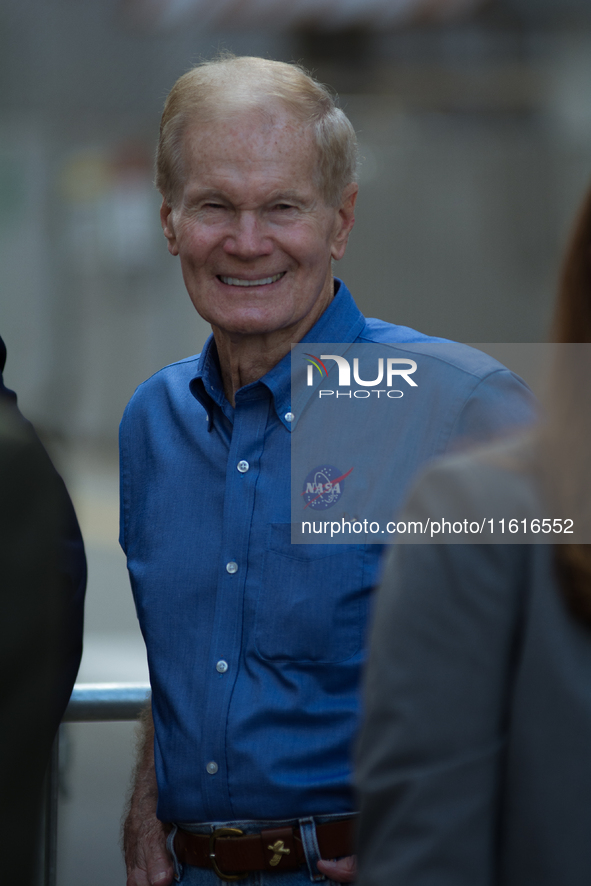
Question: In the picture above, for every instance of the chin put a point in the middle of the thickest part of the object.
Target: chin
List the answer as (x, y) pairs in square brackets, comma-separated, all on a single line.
[(254, 329), (252, 326)]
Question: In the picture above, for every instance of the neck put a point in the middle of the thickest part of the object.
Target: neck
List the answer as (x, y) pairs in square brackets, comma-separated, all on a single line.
[(244, 358)]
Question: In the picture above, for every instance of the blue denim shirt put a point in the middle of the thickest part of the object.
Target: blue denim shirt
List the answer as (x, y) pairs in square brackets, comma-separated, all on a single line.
[(255, 645)]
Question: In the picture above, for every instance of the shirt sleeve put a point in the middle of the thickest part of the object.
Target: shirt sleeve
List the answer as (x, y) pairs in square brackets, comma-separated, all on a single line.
[(72, 557), (498, 404), (123, 480), (430, 755), (41, 612)]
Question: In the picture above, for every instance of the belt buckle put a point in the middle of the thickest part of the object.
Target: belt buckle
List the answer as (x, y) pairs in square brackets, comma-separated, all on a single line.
[(224, 832)]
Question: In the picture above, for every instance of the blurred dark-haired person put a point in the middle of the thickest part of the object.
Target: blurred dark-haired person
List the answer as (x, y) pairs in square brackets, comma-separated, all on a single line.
[(42, 585), (255, 648), (474, 766)]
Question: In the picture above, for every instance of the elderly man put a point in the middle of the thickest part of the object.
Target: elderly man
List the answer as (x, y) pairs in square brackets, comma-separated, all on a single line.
[(244, 770)]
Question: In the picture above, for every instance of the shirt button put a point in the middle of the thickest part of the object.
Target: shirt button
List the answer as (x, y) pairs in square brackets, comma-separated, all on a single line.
[(212, 767), (222, 666), (243, 466), (289, 416), (232, 567)]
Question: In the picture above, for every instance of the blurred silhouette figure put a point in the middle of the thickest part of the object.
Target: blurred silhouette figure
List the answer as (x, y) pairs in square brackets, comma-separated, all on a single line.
[(42, 584), (474, 766)]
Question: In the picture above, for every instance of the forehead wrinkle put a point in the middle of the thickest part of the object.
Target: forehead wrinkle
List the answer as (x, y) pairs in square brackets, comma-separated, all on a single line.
[(264, 143), (247, 129)]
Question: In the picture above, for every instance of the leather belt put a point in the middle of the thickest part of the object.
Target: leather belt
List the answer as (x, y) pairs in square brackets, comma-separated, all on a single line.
[(233, 854)]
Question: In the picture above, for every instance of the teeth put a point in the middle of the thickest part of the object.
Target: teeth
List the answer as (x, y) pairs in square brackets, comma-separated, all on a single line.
[(236, 281)]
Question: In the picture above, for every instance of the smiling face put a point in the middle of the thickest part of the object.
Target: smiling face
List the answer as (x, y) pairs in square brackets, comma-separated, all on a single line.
[(254, 235)]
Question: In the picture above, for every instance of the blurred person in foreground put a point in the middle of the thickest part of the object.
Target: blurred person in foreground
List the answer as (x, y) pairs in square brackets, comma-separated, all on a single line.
[(42, 584), (255, 646), (474, 765)]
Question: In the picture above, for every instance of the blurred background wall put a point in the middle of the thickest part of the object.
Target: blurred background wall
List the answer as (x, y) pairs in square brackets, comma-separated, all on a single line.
[(474, 120), (475, 138)]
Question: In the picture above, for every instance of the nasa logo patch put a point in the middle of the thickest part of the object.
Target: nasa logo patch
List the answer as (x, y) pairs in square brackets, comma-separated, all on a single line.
[(323, 487)]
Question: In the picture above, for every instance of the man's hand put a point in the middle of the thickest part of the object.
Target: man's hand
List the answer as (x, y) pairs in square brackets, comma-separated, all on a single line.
[(342, 871), (147, 861), (144, 836)]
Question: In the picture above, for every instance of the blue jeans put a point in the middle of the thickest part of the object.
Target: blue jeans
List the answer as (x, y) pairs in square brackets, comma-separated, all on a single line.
[(192, 876)]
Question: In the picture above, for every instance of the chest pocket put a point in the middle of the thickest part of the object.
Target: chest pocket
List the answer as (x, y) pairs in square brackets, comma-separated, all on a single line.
[(312, 604)]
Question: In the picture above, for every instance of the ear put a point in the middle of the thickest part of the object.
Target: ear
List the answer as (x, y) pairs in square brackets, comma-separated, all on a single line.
[(345, 221), (166, 221)]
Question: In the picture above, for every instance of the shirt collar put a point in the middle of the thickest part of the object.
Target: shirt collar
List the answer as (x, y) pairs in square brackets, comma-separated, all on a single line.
[(342, 321), (204, 385)]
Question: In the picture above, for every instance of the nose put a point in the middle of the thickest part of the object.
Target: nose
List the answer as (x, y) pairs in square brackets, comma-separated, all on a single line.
[(248, 239)]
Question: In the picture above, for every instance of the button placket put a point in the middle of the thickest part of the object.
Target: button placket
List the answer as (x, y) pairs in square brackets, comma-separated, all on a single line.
[(245, 444)]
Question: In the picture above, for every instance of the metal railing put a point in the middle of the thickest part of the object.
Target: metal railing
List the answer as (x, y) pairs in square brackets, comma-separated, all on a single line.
[(90, 702)]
